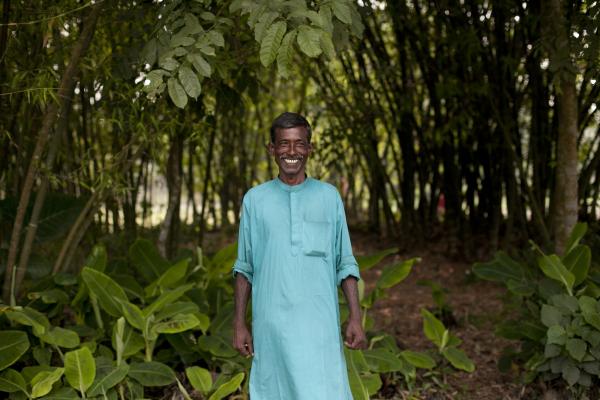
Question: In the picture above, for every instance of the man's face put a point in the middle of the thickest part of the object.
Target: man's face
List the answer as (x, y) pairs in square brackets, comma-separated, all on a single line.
[(291, 150)]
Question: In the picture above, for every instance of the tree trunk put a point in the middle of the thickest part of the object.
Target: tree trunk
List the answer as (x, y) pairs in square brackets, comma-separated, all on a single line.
[(565, 189), (65, 90)]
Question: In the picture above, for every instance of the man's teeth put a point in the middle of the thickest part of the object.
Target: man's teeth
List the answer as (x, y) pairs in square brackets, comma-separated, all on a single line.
[(290, 161)]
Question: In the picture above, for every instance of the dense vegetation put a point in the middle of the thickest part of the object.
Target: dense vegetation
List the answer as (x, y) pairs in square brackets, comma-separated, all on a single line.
[(125, 123)]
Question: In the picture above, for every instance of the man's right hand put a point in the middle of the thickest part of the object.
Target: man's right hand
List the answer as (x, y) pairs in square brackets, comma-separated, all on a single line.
[(242, 340)]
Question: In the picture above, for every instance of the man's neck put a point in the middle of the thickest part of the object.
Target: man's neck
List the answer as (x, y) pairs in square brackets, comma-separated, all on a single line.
[(292, 180)]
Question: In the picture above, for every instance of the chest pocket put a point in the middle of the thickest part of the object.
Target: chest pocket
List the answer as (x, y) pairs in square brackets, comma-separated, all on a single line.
[(316, 238)]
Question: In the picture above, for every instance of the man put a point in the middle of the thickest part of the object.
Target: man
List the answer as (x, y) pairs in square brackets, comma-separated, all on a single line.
[(293, 251)]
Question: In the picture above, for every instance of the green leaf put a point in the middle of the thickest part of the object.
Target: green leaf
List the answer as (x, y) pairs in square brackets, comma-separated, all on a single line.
[(133, 315), (327, 45), (577, 234), (356, 363), (578, 261), (367, 262), (149, 53), (179, 323), (64, 393), (434, 328), (152, 373), (393, 275), (419, 360), (228, 387), (13, 344), (180, 307), (177, 93), (381, 360), (166, 298), (309, 40), (132, 341), (570, 373), (553, 268), (61, 337), (589, 309), (30, 317), (576, 348), (97, 258), (216, 38), (217, 346), (199, 378), (342, 11), (169, 278), (80, 369), (567, 304), (271, 42), (108, 380), (192, 23), (550, 315), (458, 359), (168, 64), (285, 54), (109, 294), (501, 269), (147, 260), (557, 335), (190, 82), (200, 64), (265, 21), (51, 296), (41, 384), (11, 381)]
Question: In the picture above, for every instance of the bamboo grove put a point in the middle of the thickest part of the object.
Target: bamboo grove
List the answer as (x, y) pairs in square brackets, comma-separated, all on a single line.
[(421, 107)]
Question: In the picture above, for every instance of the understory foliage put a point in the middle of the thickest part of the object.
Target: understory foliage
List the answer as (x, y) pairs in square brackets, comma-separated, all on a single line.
[(137, 326), (553, 311)]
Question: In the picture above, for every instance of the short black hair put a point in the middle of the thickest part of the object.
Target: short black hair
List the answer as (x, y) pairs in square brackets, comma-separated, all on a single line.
[(290, 120)]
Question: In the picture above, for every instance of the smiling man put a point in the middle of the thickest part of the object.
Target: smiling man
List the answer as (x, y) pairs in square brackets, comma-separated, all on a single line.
[(293, 251)]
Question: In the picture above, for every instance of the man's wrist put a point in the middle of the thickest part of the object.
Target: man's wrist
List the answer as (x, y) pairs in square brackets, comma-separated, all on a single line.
[(354, 318), (239, 323)]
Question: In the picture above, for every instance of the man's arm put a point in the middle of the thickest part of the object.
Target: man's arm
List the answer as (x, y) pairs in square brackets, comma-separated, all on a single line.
[(242, 338), (355, 334)]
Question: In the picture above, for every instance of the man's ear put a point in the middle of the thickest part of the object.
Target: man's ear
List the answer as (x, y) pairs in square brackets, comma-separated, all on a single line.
[(270, 148)]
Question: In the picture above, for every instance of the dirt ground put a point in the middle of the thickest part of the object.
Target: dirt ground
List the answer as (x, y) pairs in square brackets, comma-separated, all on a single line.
[(474, 304)]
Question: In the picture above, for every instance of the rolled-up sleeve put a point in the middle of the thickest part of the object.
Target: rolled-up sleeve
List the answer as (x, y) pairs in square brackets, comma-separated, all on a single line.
[(243, 263), (346, 264)]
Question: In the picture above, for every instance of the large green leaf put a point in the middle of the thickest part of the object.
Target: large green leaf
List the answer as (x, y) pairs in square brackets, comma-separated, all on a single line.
[(177, 93), (61, 337), (265, 21), (11, 381), (577, 234), (199, 378), (97, 258), (134, 315), (381, 360), (393, 275), (271, 42), (434, 329), (41, 384), (419, 360), (30, 317), (179, 307), (501, 269), (553, 268), (356, 364), (108, 380), (341, 9), (200, 64), (108, 292), (176, 324), (228, 387), (80, 369), (166, 298), (576, 348), (170, 278), (13, 344), (286, 54), (550, 315), (217, 346), (65, 393), (589, 309), (309, 40), (152, 373), (578, 262), (458, 359), (367, 262), (190, 82), (132, 342), (147, 260)]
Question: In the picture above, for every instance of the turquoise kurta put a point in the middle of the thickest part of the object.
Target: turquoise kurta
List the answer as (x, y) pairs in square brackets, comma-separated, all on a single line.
[(294, 248)]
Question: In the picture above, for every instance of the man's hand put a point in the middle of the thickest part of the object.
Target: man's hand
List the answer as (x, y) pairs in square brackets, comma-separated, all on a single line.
[(242, 340), (355, 335)]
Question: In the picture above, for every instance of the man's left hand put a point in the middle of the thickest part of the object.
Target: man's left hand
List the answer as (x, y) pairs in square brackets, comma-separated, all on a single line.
[(355, 335)]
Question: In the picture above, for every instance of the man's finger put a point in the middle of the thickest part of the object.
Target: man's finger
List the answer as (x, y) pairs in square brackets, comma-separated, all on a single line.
[(250, 347)]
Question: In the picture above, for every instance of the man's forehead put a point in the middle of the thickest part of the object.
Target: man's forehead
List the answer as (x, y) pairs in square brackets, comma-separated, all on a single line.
[(295, 133)]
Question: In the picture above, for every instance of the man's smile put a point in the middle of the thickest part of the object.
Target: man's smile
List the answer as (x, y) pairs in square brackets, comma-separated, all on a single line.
[(291, 161)]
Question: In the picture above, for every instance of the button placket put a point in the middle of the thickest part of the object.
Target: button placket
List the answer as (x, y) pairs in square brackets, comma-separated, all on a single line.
[(296, 224)]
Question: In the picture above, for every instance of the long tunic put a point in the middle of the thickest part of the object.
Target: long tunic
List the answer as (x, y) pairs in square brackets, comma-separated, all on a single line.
[(294, 248)]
